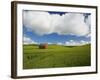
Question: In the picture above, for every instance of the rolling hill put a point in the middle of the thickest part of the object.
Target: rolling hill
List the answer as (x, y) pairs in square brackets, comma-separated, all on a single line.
[(56, 56)]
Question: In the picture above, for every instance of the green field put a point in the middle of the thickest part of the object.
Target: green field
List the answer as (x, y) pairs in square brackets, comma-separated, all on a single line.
[(56, 56)]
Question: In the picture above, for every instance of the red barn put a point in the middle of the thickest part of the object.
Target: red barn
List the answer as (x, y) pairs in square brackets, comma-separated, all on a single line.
[(43, 46)]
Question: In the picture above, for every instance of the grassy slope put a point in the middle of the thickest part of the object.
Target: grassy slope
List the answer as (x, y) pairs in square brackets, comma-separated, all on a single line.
[(55, 56)]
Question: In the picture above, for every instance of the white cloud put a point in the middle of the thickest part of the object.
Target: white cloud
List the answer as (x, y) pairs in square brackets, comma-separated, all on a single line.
[(28, 40), (76, 43), (59, 43), (45, 23), (50, 43), (39, 22), (82, 42), (88, 20), (89, 35)]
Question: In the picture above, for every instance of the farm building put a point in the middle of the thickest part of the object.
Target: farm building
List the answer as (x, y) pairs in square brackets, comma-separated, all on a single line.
[(43, 46)]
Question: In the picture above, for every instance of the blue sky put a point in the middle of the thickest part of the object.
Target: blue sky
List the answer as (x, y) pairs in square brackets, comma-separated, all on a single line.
[(30, 30), (52, 38)]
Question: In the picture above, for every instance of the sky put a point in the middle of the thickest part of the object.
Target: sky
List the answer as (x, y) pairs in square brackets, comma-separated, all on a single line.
[(62, 28)]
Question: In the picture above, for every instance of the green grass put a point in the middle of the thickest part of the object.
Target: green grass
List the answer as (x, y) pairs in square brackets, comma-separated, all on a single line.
[(56, 56)]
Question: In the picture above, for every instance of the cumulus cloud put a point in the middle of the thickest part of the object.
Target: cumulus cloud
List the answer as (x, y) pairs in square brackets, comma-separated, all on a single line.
[(50, 43), (76, 43), (45, 23), (88, 20), (88, 36), (27, 40), (59, 43)]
